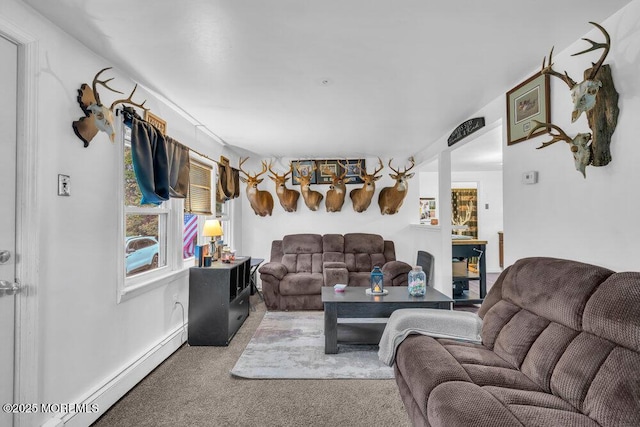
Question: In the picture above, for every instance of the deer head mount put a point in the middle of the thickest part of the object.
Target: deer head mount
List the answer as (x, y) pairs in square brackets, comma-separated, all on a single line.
[(311, 197), (391, 198), (261, 201), (461, 218), (579, 145), (361, 197), (337, 189), (596, 96), (97, 116), (288, 197)]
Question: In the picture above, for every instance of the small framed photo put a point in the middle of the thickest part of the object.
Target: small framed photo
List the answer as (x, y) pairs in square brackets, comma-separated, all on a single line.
[(306, 168), (527, 102), (324, 170), (427, 209), (354, 166)]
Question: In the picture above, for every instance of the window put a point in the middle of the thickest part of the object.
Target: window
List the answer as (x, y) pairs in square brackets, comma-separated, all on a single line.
[(150, 235), (197, 205)]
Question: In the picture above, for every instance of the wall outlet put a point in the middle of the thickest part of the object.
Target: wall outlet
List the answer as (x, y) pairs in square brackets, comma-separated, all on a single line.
[(530, 177), (64, 185)]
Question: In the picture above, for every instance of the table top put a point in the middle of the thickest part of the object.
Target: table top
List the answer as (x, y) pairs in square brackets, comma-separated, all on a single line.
[(256, 261), (396, 294)]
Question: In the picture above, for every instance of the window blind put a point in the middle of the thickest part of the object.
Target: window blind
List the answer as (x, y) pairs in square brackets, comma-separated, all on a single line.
[(199, 197)]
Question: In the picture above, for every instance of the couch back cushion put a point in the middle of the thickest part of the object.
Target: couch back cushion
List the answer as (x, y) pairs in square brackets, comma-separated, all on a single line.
[(363, 251), (333, 248), (302, 253), (574, 329)]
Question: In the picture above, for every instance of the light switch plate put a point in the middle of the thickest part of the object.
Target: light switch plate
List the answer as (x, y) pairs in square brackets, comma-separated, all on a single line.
[(530, 177), (64, 185)]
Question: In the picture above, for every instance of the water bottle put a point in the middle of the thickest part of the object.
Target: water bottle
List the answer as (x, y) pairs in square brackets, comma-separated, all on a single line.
[(417, 282)]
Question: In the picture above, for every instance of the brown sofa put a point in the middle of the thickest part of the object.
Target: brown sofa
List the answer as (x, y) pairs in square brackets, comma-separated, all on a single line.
[(561, 347), (301, 264)]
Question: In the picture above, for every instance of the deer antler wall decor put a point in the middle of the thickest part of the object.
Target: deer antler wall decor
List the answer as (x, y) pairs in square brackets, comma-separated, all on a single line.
[(97, 116), (596, 96), (579, 145)]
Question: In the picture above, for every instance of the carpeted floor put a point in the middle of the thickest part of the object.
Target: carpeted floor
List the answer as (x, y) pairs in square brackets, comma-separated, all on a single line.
[(194, 388)]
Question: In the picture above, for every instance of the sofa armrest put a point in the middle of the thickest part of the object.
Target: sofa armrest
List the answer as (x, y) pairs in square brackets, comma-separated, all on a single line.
[(396, 273), (335, 272), (274, 269)]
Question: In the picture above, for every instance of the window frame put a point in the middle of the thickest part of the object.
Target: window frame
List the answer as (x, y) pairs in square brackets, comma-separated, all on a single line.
[(171, 210)]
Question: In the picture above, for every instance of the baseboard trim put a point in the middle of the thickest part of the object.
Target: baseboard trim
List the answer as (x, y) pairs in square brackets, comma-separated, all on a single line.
[(120, 383)]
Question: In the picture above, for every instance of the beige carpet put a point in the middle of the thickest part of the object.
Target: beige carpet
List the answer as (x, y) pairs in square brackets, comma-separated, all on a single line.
[(194, 388)]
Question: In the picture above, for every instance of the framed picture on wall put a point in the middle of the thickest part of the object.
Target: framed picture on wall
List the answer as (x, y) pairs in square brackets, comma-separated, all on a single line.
[(527, 102), (324, 170), (353, 170), (306, 167), (427, 209)]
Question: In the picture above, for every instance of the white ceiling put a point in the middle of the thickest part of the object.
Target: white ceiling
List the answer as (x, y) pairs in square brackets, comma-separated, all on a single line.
[(330, 78)]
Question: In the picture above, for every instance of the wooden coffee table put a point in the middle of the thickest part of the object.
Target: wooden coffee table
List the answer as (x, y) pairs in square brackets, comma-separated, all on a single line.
[(355, 303)]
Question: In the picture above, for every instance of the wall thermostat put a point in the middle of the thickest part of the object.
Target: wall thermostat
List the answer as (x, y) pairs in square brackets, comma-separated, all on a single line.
[(530, 177)]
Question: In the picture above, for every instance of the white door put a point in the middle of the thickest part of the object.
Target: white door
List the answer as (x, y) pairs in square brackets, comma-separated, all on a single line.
[(8, 89)]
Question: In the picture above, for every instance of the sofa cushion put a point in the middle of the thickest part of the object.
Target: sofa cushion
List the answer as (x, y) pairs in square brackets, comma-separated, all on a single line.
[(333, 243), (555, 289), (302, 244), (363, 243), (301, 284)]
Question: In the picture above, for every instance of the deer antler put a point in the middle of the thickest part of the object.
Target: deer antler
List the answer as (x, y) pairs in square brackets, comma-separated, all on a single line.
[(413, 163), (264, 168), (345, 168), (378, 169), (561, 136), (594, 46), (129, 100), (546, 69), (459, 220), (103, 83), (240, 166)]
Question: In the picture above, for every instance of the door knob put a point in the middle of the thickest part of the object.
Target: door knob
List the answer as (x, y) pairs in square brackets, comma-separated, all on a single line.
[(4, 256), (8, 288)]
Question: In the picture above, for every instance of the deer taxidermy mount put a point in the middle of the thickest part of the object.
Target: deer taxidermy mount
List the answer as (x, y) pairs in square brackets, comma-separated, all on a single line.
[(97, 116), (596, 96), (311, 197), (261, 201), (361, 197), (579, 145), (287, 196), (390, 198), (337, 189)]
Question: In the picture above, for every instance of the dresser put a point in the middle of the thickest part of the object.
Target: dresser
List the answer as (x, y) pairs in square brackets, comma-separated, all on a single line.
[(218, 301)]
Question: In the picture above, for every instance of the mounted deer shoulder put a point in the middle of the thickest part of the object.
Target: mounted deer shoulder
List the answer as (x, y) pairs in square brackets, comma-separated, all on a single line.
[(261, 201), (97, 116), (361, 197), (391, 198), (288, 197), (311, 197), (337, 190), (579, 145)]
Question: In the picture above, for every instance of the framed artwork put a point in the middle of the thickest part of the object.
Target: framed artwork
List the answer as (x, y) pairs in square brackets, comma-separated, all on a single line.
[(427, 209), (324, 170), (156, 121), (526, 102), (306, 168), (353, 170)]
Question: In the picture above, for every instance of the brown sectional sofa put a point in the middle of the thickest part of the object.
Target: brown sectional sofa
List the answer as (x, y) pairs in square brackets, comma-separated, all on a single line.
[(561, 347), (301, 264)]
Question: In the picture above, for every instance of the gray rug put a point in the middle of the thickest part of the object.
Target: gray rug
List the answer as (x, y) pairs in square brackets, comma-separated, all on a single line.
[(290, 345)]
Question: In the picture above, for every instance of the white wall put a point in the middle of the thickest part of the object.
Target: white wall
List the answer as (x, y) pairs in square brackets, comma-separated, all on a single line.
[(85, 339), (566, 215)]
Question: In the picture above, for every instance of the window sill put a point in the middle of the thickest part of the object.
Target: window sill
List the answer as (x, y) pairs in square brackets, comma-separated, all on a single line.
[(426, 226), (152, 283)]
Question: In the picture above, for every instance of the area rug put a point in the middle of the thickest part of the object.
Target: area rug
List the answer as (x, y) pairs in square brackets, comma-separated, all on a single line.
[(290, 345)]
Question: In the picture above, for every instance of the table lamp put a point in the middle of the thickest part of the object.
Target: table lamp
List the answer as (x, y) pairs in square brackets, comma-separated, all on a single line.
[(212, 229)]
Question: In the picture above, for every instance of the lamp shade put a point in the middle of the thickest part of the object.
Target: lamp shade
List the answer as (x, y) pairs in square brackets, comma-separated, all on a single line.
[(212, 228)]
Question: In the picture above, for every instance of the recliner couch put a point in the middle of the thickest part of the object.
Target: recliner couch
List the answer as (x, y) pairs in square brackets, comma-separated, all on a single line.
[(301, 264), (560, 347)]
